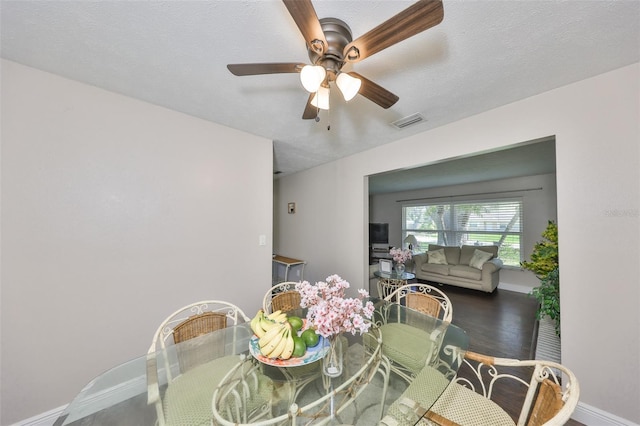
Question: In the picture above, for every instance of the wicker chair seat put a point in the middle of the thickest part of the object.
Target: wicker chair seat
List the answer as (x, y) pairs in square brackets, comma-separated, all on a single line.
[(187, 401), (406, 345), (464, 407)]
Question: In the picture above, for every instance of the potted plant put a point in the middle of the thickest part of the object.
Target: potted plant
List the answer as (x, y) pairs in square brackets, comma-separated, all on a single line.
[(545, 264)]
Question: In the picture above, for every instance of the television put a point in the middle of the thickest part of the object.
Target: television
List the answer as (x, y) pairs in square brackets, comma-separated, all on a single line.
[(379, 234)]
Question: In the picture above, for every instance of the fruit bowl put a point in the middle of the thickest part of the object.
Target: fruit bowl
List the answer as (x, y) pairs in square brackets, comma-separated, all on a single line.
[(312, 355), (274, 332)]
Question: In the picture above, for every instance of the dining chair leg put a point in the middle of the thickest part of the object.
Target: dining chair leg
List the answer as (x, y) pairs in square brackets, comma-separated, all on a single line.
[(293, 413), (385, 371)]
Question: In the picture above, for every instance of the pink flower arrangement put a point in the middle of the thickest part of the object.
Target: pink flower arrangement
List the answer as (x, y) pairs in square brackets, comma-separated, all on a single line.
[(330, 313), (400, 255)]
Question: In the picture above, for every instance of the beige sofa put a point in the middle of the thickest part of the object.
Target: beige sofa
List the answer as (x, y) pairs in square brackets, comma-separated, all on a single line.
[(460, 266)]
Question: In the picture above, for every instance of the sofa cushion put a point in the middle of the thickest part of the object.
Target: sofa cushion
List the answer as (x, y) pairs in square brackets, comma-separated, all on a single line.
[(435, 268), (479, 258), (437, 257), (464, 271), (452, 253), (466, 252)]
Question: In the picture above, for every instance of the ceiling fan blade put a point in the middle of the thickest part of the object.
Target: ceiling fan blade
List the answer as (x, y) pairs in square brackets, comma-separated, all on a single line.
[(374, 92), (309, 110), (416, 18), (264, 68), (306, 19)]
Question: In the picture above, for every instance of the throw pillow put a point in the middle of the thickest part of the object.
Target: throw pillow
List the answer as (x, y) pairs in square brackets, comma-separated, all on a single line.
[(437, 256), (479, 258)]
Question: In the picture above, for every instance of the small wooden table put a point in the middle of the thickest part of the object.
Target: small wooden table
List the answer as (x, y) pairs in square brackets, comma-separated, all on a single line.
[(388, 282), (288, 263)]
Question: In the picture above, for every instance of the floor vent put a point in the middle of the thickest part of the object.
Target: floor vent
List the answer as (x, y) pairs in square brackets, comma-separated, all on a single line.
[(409, 120)]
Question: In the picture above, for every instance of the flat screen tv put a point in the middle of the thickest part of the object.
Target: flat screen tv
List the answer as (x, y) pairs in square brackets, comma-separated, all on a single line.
[(378, 233)]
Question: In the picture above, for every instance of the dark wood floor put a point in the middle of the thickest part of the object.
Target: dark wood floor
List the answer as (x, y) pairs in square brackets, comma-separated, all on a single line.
[(501, 324)]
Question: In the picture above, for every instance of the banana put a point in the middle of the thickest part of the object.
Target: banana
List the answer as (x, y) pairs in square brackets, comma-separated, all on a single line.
[(267, 324), (270, 347), (282, 342), (277, 316), (288, 348), (255, 324), (274, 314), (269, 338), (281, 318)]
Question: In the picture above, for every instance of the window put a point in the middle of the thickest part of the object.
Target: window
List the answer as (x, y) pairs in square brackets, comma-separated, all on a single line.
[(468, 223)]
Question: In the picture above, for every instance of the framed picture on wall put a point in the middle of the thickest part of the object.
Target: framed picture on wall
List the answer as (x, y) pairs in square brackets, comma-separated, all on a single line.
[(386, 266)]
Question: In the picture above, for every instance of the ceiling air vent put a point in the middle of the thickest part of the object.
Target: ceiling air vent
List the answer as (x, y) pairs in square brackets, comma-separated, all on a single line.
[(409, 120)]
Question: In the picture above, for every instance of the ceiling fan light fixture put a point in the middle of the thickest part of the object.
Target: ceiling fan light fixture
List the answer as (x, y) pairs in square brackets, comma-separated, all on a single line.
[(312, 77), (321, 98), (348, 85)]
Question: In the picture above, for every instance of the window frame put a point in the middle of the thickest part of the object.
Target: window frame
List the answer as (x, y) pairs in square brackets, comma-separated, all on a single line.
[(449, 204)]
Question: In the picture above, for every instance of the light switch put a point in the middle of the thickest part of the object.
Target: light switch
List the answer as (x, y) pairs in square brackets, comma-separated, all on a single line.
[(262, 240)]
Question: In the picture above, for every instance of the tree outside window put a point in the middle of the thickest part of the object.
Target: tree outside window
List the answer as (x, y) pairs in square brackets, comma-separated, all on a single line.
[(468, 223)]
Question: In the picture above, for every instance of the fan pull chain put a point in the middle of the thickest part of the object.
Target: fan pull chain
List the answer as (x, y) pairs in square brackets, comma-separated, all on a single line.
[(317, 119)]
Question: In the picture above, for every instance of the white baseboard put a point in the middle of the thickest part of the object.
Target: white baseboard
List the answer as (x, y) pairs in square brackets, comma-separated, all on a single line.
[(43, 419), (592, 416), (92, 404), (515, 287)]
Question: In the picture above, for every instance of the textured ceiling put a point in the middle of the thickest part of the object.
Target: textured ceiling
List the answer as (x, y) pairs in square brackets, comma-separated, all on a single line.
[(483, 55)]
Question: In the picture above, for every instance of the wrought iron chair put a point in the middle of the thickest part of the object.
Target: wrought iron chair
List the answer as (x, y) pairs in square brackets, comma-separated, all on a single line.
[(282, 296), (406, 343), (424, 298), (243, 395), (191, 375), (541, 392)]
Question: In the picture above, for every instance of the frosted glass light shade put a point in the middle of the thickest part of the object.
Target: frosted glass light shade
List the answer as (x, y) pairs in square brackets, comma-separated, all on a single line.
[(321, 98), (312, 77), (348, 85)]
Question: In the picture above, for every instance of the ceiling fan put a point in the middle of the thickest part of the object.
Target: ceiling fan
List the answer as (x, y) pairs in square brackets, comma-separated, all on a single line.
[(330, 46)]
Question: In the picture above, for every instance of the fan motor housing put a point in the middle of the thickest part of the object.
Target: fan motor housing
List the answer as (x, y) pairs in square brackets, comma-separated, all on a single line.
[(338, 36)]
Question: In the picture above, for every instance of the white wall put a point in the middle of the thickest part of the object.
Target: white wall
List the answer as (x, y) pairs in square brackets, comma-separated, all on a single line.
[(538, 207), (595, 123), (115, 213)]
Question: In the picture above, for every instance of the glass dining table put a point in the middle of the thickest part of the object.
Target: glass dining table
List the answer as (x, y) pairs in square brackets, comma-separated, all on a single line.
[(251, 390)]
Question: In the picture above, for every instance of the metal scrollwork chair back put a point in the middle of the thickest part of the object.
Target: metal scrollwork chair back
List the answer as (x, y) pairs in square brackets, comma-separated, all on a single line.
[(424, 298), (282, 296), (413, 341), (546, 393), (187, 369)]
